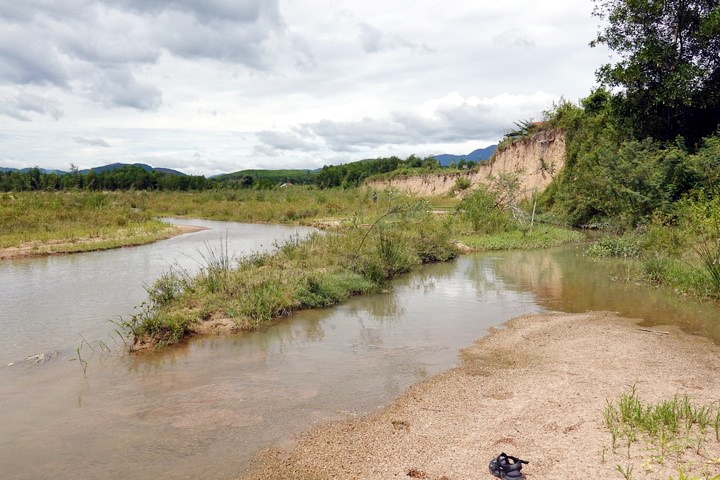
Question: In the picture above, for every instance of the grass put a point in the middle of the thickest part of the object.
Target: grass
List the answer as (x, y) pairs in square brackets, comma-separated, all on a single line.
[(63, 222), (694, 271), (661, 430), (539, 236), (76, 221), (316, 272)]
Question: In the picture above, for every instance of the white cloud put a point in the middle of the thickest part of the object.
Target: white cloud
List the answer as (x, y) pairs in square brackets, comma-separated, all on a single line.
[(93, 142), (223, 85), (27, 105)]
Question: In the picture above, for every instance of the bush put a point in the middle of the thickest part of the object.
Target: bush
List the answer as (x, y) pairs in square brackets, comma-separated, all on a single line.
[(483, 212), (462, 183), (625, 247)]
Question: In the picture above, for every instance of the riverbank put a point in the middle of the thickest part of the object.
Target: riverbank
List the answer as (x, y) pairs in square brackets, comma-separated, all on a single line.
[(90, 244), (536, 389)]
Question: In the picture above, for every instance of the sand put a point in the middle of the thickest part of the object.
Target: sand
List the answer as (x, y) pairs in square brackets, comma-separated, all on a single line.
[(61, 247), (536, 389)]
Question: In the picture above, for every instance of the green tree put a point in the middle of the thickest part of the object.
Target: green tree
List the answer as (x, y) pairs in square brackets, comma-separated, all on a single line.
[(668, 76)]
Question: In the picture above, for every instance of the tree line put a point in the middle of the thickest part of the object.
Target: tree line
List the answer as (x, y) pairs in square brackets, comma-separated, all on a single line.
[(128, 177), (134, 177)]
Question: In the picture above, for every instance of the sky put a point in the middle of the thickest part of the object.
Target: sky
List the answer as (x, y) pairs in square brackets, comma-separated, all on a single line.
[(217, 86)]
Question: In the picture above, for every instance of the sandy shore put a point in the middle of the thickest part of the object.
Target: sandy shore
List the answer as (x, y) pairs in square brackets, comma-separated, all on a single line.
[(536, 389), (61, 247)]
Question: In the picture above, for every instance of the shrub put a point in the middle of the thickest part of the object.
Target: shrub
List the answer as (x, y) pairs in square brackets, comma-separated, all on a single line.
[(484, 213), (462, 183), (625, 247)]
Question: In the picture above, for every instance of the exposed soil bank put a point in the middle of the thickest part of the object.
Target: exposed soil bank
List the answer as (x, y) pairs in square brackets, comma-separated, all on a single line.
[(58, 247), (536, 390), (535, 161)]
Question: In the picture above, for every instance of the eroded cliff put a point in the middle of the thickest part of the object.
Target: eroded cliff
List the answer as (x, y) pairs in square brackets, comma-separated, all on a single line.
[(533, 161)]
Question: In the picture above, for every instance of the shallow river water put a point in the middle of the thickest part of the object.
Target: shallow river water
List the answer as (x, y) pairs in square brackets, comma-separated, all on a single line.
[(204, 409)]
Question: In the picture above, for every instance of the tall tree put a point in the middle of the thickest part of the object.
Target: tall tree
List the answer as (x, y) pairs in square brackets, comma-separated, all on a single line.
[(667, 80)]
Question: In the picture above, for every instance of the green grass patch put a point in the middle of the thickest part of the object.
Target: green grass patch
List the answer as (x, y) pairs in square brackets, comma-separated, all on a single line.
[(57, 222), (537, 237)]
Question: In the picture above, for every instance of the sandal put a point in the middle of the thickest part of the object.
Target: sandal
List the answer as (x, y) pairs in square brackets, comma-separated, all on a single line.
[(507, 467)]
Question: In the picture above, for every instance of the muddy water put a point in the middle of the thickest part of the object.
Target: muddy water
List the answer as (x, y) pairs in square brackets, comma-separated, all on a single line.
[(58, 303), (203, 410)]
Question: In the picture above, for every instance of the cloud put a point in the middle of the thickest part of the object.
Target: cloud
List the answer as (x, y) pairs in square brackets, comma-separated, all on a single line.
[(374, 40), (447, 120), (25, 60), (513, 38), (265, 82), (119, 88), (97, 48), (24, 104), (206, 11), (93, 142), (284, 141)]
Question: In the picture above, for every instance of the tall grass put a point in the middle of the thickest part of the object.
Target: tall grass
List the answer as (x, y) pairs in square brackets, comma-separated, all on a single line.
[(680, 250), (79, 220), (64, 217), (320, 271)]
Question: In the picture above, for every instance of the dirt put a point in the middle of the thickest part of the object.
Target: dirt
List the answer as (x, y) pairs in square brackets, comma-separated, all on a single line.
[(534, 160), (57, 247), (536, 389)]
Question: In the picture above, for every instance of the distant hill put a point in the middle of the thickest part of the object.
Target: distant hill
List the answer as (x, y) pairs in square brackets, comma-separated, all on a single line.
[(25, 170), (249, 177), (479, 155), (115, 166)]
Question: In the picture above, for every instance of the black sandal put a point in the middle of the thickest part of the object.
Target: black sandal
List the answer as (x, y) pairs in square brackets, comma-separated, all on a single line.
[(507, 467)]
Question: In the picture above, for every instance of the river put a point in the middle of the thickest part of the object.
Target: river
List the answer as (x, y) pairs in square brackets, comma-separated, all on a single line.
[(206, 408)]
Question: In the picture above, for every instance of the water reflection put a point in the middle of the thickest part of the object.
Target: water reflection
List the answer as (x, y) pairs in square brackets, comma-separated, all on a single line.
[(206, 407), (63, 302), (567, 280)]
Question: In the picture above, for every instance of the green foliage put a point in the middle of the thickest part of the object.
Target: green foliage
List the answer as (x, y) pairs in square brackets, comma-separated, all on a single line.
[(264, 179), (56, 220), (618, 247), (321, 291), (354, 173), (539, 236), (484, 212), (615, 181), (166, 288), (156, 327), (318, 271), (462, 183), (668, 426), (668, 70), (126, 177)]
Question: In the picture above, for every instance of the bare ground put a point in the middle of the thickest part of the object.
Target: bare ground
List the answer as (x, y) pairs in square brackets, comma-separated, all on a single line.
[(60, 247), (536, 389)]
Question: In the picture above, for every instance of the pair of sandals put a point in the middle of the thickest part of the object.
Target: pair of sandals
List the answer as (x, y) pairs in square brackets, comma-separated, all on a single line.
[(507, 467)]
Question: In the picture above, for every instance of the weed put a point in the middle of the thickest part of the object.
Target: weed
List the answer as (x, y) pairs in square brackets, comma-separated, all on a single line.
[(462, 183), (669, 426), (623, 247), (626, 472)]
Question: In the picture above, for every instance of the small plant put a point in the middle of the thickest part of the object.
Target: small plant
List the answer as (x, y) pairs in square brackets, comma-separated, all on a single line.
[(669, 426), (622, 247), (709, 253), (462, 183), (626, 472)]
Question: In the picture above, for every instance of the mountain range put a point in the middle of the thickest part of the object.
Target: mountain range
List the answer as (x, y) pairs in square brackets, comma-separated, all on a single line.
[(445, 159), (104, 168), (479, 155)]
